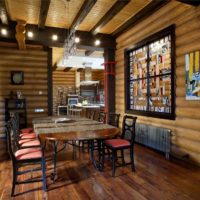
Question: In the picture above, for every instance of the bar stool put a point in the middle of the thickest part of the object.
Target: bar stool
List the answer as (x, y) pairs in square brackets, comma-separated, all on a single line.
[(74, 111)]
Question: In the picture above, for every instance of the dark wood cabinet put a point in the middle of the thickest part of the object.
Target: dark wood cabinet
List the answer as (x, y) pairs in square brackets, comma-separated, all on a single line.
[(16, 106)]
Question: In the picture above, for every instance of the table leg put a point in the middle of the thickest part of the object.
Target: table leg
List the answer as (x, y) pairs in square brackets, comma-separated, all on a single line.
[(53, 175), (98, 164)]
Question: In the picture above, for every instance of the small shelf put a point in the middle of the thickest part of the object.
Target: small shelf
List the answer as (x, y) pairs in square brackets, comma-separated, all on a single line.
[(16, 106)]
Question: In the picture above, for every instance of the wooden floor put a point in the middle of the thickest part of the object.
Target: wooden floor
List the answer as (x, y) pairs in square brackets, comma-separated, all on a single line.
[(155, 179)]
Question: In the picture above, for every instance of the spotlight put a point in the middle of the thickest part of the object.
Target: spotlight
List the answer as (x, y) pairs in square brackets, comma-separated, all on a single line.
[(54, 37), (77, 39), (30, 34), (97, 42), (4, 31)]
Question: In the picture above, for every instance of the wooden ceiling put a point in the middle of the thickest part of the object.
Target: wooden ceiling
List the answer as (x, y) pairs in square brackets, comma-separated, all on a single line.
[(61, 13)]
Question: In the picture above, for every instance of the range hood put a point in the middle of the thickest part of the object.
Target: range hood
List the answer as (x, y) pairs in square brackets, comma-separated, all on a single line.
[(88, 76)]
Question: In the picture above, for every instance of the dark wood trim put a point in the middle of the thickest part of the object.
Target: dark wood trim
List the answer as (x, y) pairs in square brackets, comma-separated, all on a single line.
[(190, 2), (80, 69), (169, 30), (3, 12), (44, 7), (141, 15), (44, 37), (83, 12), (109, 81), (88, 53), (118, 6), (67, 69), (50, 82), (54, 67)]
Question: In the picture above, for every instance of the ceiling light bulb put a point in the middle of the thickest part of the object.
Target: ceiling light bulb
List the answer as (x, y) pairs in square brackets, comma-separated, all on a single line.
[(30, 34), (77, 39), (54, 37), (4, 31), (97, 42)]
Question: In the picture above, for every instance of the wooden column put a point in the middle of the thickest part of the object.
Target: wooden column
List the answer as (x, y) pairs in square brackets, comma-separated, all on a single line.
[(20, 34), (50, 92), (109, 81)]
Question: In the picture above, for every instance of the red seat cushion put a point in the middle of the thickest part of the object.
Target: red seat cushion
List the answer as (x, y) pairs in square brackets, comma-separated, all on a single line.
[(24, 141), (117, 143), (29, 136), (26, 130), (29, 142), (28, 153), (25, 134)]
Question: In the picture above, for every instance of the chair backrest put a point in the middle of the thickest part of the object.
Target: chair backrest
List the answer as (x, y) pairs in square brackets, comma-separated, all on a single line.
[(91, 114), (9, 141), (102, 117), (15, 121), (128, 127), (113, 119), (14, 128)]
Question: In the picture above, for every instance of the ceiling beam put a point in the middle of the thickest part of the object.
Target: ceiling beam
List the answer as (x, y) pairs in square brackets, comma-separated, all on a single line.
[(3, 12), (44, 37), (109, 15), (67, 69), (141, 15), (191, 2), (80, 69), (44, 7), (83, 12), (88, 53)]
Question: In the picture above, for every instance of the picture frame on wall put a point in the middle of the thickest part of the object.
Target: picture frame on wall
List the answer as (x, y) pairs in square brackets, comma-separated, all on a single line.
[(17, 77), (192, 64)]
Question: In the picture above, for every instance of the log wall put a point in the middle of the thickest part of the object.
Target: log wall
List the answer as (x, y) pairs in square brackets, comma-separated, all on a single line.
[(64, 81), (34, 65), (186, 128)]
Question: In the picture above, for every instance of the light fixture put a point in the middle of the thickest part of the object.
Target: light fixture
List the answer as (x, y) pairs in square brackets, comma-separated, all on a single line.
[(4, 31), (54, 37), (30, 34), (97, 42), (71, 39)]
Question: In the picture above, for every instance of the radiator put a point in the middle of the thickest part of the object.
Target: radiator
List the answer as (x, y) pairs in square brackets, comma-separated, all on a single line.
[(155, 137)]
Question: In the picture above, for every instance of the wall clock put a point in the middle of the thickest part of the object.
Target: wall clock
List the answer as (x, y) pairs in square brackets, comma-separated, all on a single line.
[(17, 77)]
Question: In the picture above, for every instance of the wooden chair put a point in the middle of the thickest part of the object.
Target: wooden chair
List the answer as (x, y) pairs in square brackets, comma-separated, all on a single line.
[(24, 157), (128, 128), (91, 114), (102, 117), (16, 121), (23, 140), (113, 119)]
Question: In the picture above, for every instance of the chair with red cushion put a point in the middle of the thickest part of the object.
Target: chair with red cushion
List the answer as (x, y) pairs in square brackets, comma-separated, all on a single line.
[(23, 140), (25, 157), (102, 117), (113, 119), (120, 144), (15, 118)]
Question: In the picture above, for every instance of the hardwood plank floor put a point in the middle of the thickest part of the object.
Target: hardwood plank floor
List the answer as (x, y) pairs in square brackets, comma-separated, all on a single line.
[(155, 179)]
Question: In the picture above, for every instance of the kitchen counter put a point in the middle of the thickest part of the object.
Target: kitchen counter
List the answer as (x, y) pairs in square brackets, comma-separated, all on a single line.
[(90, 106), (87, 108)]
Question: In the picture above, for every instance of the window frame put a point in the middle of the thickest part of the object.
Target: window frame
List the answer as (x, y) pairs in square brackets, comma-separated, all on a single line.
[(145, 43)]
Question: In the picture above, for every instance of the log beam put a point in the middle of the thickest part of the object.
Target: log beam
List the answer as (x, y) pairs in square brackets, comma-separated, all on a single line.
[(43, 12), (119, 5), (141, 15)]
